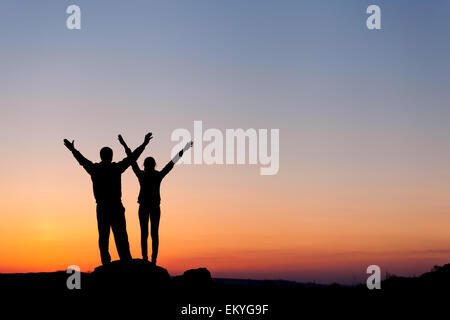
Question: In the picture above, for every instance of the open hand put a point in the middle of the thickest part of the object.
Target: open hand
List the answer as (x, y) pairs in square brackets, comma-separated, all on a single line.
[(187, 146), (148, 137), (69, 145)]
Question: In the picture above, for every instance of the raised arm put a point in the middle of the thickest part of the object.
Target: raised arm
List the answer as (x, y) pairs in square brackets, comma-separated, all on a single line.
[(129, 153), (85, 163), (133, 156), (175, 159)]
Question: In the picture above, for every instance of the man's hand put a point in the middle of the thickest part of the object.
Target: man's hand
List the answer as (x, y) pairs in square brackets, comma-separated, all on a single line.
[(69, 145), (148, 137)]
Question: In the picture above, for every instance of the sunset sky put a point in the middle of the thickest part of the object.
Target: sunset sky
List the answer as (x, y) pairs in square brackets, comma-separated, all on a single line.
[(363, 116)]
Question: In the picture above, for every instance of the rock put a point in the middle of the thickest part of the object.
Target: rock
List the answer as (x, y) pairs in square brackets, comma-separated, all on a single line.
[(200, 277), (136, 274)]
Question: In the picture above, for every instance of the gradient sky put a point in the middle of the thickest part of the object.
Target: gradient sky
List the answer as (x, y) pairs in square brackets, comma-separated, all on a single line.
[(364, 133)]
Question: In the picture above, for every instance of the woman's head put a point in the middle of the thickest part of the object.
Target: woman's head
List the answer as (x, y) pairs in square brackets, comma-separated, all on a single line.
[(149, 164)]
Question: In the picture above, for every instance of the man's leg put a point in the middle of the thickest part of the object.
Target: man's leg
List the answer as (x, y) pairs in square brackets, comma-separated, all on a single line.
[(155, 215), (143, 221), (119, 227), (103, 233)]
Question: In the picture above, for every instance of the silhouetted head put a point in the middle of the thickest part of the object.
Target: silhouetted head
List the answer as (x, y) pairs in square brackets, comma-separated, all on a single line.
[(149, 164), (106, 154)]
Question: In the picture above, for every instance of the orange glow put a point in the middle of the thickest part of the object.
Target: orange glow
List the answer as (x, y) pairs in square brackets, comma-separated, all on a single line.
[(233, 228)]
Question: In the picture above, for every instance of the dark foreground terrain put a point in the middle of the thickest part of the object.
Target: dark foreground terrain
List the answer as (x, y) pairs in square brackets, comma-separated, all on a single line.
[(140, 290)]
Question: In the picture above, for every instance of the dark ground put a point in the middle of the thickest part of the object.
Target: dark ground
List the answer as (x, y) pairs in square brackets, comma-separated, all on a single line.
[(141, 290)]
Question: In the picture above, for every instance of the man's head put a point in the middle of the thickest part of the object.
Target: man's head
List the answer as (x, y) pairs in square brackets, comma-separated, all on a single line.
[(149, 164), (106, 154)]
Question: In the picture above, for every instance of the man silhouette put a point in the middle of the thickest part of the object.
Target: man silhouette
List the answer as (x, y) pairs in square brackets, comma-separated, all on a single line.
[(106, 179), (149, 197)]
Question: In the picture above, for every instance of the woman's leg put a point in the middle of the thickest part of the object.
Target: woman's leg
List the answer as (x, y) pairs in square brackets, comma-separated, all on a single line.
[(143, 221), (155, 215)]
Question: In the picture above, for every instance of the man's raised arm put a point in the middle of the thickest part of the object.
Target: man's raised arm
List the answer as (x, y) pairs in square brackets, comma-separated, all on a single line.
[(129, 153), (85, 163), (133, 156)]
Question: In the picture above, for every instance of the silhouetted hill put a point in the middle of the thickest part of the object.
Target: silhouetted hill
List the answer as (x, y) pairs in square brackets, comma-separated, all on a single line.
[(138, 286), (436, 280)]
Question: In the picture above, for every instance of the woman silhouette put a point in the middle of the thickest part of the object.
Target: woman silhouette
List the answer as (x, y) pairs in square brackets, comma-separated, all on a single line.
[(150, 198)]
